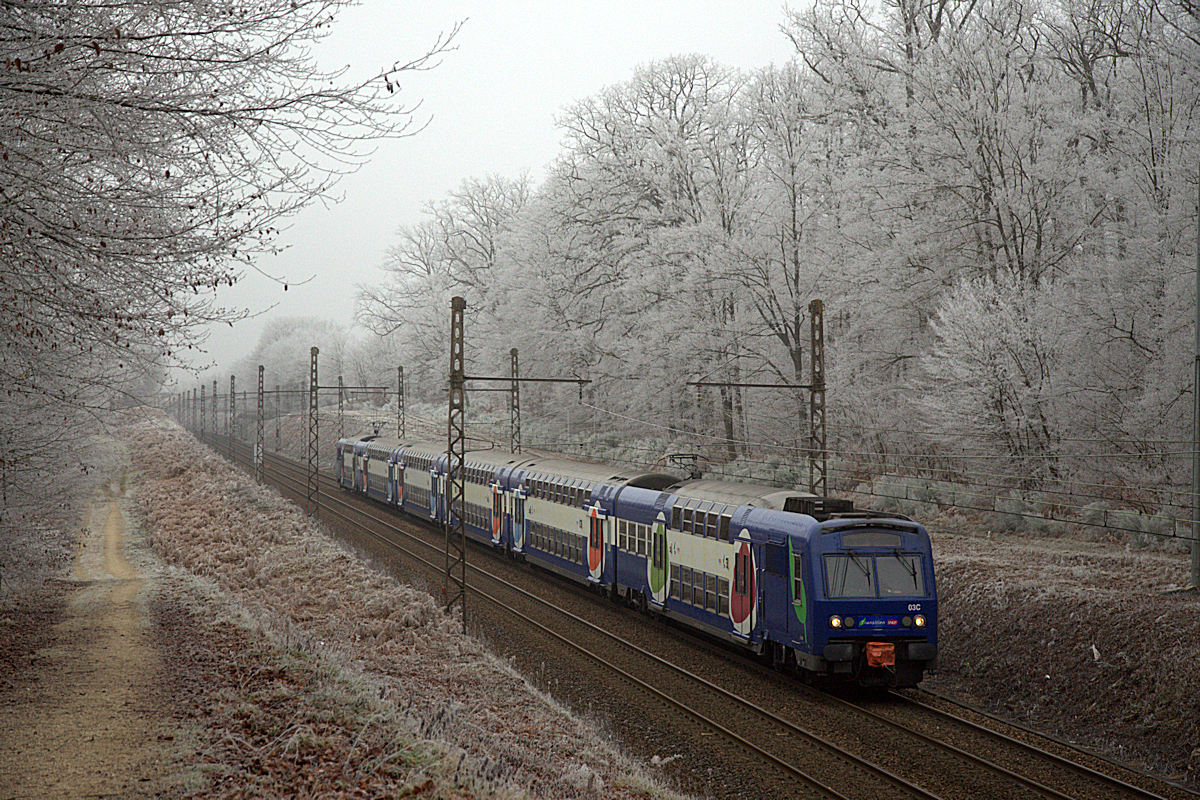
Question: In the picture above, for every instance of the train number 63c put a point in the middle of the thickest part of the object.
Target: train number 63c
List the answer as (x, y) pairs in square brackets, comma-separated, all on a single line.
[(914, 606)]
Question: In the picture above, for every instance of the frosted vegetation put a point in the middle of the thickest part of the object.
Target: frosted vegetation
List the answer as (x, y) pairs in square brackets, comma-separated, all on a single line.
[(458, 721), (148, 151), (996, 202)]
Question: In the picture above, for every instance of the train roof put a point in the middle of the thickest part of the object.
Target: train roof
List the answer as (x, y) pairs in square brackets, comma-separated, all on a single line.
[(599, 473), (429, 447), (497, 457), (738, 494)]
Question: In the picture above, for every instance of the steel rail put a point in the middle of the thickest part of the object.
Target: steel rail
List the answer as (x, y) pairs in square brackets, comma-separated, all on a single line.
[(1083, 769), (813, 738), (946, 746), (698, 716)]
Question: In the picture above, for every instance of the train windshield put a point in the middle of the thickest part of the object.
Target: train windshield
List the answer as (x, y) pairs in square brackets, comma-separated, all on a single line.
[(900, 576), (849, 576), (854, 575)]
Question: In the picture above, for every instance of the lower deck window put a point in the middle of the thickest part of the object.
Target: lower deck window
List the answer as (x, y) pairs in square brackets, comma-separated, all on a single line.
[(700, 589)]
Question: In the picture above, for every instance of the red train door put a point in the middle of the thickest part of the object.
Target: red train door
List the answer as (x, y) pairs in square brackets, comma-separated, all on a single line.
[(744, 591)]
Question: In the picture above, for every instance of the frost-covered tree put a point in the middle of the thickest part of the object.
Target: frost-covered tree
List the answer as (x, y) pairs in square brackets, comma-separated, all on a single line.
[(149, 151)]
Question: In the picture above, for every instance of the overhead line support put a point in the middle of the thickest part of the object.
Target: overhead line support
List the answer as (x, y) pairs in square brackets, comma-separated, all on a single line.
[(258, 433), (454, 587), (310, 497)]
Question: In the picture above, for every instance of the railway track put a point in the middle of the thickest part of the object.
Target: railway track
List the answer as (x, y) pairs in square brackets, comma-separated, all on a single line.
[(835, 747)]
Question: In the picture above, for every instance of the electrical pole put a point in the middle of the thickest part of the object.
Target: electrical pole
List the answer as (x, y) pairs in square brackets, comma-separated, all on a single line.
[(454, 587), (310, 500), (203, 418), (258, 434), (214, 410), (231, 427), (514, 405), (1196, 413), (341, 423), (277, 415), (400, 403), (818, 459)]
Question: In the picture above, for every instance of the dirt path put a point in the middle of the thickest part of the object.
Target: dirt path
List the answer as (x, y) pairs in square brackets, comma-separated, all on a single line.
[(86, 727)]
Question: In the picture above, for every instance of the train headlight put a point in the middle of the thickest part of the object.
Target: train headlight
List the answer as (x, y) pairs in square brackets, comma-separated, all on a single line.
[(919, 620), (906, 622), (835, 621)]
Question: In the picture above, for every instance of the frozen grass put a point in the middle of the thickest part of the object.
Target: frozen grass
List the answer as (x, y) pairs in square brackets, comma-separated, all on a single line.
[(320, 601)]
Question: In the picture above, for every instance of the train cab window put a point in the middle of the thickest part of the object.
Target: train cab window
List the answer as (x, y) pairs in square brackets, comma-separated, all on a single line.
[(722, 596), (675, 581), (797, 577), (900, 576), (675, 518), (849, 575), (739, 574)]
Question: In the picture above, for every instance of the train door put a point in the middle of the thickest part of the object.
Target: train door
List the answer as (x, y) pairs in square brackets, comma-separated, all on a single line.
[(595, 543), (400, 482), (435, 493), (744, 593), (497, 512), (518, 519), (391, 481), (657, 566)]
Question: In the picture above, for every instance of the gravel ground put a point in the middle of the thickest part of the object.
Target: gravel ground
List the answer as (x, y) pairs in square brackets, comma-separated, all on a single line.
[(311, 596)]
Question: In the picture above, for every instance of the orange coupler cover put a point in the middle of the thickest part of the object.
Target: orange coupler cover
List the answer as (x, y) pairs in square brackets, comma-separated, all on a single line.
[(881, 654)]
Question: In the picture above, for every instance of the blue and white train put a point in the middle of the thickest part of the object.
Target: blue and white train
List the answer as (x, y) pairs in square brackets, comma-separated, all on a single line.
[(804, 580)]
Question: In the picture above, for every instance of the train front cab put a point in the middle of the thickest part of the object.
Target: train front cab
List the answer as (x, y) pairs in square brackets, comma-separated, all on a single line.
[(870, 585)]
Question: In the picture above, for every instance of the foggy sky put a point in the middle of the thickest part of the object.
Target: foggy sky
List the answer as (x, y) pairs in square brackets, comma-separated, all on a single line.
[(491, 106)]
